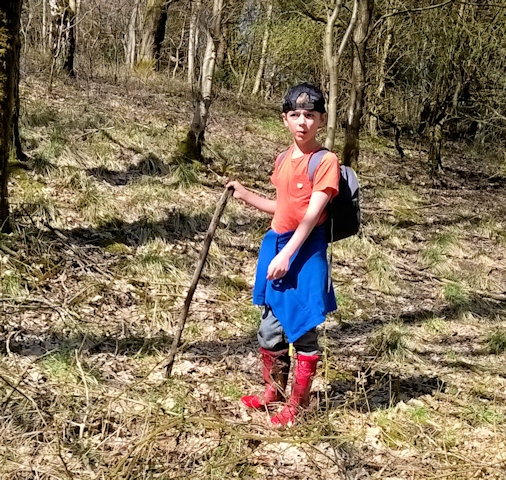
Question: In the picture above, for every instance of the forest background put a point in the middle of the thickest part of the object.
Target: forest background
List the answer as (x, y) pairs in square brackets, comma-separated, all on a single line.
[(121, 123)]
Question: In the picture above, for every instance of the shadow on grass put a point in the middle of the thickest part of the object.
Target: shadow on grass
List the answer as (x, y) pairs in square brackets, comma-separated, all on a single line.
[(377, 390), (34, 343), (150, 165), (176, 226), (480, 306)]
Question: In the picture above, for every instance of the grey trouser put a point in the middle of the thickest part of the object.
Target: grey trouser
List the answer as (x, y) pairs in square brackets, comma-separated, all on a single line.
[(271, 336)]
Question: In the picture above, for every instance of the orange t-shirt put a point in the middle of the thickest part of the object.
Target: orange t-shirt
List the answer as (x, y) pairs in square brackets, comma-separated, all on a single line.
[(294, 189)]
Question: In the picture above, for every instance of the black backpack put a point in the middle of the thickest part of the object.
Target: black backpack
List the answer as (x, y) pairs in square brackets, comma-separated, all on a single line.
[(344, 208)]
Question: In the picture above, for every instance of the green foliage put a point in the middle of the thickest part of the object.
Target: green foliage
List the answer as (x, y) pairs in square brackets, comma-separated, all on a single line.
[(248, 318), (403, 202), (394, 431), (435, 325), (436, 253), (42, 163), (345, 300), (231, 286), (117, 248), (271, 128), (392, 340), (496, 342), (230, 390), (154, 264), (452, 56), (185, 174), (61, 365), (296, 57), (381, 271), (40, 207), (96, 206), (11, 282), (456, 295), (478, 415), (419, 414)]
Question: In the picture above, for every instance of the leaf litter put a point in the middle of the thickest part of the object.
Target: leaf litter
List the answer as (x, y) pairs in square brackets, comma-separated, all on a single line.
[(82, 382)]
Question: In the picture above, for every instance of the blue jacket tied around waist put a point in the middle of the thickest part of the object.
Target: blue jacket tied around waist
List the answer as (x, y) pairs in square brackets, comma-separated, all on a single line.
[(301, 299)]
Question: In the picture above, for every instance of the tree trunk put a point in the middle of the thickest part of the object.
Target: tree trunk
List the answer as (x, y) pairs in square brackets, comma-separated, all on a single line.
[(222, 47), (358, 75), (63, 27), (380, 77), (176, 59), (263, 54), (192, 147), (45, 33), (153, 33), (131, 37), (436, 142), (10, 15), (332, 58), (193, 41), (18, 148)]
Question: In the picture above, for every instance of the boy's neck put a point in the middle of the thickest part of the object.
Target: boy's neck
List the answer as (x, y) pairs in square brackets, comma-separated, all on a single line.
[(299, 150)]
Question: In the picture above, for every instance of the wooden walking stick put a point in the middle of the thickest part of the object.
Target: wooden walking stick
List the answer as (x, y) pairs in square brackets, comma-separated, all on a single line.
[(196, 276)]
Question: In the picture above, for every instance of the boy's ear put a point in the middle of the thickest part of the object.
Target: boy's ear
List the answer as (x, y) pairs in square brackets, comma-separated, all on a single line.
[(324, 119)]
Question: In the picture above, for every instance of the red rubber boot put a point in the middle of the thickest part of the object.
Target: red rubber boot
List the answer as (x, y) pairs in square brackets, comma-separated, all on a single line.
[(275, 373), (305, 370)]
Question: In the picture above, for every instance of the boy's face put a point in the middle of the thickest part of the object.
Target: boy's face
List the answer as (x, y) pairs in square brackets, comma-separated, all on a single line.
[(303, 124)]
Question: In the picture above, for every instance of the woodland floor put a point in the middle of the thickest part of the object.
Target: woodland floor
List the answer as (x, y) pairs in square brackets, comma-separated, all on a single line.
[(108, 226)]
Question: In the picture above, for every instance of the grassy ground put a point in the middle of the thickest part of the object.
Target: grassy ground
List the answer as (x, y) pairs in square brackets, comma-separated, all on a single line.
[(108, 228)]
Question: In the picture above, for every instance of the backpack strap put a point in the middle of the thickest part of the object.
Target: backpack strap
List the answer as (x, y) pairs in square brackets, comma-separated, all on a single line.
[(314, 161), (280, 158)]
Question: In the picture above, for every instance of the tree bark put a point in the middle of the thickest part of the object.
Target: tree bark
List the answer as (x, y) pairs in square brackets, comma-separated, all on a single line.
[(203, 97), (18, 148), (435, 144), (153, 33), (380, 76), (332, 58), (193, 41), (358, 75), (131, 37), (45, 33), (263, 54), (10, 21), (63, 27)]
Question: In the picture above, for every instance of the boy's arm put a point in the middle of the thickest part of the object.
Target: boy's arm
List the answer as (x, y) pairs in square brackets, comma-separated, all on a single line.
[(281, 262), (261, 203)]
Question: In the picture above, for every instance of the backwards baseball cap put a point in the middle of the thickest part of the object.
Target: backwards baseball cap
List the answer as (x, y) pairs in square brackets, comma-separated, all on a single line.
[(304, 97)]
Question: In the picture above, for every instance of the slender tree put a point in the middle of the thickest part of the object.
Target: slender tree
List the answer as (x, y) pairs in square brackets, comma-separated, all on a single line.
[(332, 55), (383, 46), (10, 15), (193, 41), (353, 118), (63, 34), (192, 147), (131, 36), (265, 45)]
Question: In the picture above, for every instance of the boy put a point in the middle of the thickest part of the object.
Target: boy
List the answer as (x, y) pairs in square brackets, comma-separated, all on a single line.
[(292, 281)]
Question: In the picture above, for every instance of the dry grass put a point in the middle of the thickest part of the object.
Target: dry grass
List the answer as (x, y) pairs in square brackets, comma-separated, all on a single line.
[(108, 228)]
